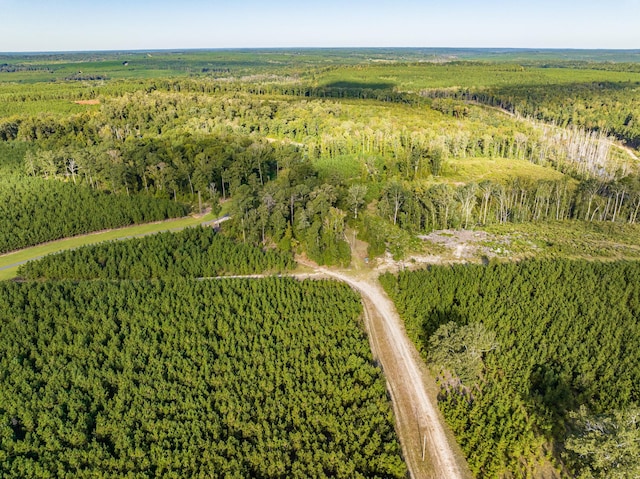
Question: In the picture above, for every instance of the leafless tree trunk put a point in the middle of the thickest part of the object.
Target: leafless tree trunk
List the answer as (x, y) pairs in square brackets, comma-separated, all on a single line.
[(72, 167)]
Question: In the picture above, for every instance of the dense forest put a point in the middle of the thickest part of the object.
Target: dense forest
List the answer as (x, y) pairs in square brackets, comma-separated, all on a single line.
[(600, 106), (228, 378), (34, 210), (313, 150), (537, 361), (194, 252), (131, 367)]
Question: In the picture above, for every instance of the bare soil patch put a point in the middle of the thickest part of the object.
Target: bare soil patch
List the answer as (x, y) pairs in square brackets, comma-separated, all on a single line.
[(449, 247), (87, 102)]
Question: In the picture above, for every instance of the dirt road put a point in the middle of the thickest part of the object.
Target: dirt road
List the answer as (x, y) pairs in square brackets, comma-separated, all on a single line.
[(428, 450)]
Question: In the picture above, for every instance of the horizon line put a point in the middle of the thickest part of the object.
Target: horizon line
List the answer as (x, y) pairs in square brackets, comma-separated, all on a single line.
[(294, 48)]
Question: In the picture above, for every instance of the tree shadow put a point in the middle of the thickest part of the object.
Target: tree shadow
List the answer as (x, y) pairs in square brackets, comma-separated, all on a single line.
[(353, 85), (437, 318)]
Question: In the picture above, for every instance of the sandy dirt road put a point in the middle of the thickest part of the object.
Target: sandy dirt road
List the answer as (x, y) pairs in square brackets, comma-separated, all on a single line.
[(429, 450)]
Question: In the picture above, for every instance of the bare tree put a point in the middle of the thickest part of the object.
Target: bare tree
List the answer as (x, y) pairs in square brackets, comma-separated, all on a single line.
[(355, 197), (486, 189), (396, 195), (467, 197), (72, 168)]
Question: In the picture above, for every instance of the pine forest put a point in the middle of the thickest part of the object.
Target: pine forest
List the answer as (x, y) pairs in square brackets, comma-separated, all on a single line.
[(185, 378), (536, 361), (224, 223)]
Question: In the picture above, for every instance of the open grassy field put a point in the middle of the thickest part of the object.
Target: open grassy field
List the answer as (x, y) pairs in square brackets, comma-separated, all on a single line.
[(421, 76), (498, 170)]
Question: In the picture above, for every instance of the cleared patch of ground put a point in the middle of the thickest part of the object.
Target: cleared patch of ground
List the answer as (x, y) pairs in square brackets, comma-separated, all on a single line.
[(514, 242)]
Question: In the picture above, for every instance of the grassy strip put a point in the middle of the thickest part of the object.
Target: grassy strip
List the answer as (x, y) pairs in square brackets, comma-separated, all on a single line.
[(92, 238)]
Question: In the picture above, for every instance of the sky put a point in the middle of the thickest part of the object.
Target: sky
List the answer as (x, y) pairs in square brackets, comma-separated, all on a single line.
[(75, 25)]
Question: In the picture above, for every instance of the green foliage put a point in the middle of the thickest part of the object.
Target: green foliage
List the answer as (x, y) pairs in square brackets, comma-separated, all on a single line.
[(563, 329), (227, 378), (34, 210), (194, 252), (129, 379), (570, 239), (476, 75), (11, 156), (606, 446), (458, 350), (384, 236), (287, 140), (338, 170), (597, 105)]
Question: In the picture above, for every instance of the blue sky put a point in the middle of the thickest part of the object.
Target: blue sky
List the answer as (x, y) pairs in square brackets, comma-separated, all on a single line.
[(59, 25)]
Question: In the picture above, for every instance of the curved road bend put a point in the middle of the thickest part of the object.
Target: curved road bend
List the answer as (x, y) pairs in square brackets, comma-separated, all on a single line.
[(428, 450)]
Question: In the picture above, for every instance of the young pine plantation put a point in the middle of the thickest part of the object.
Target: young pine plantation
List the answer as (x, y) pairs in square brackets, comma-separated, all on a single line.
[(186, 378), (133, 359), (537, 362)]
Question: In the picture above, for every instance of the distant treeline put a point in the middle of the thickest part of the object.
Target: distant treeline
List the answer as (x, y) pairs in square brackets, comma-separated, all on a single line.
[(12, 68), (85, 77)]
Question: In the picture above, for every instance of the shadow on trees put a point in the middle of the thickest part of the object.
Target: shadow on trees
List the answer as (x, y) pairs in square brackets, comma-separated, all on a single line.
[(596, 105), (351, 85), (439, 317)]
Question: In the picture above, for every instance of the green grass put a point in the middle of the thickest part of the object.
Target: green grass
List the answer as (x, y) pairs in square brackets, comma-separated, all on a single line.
[(497, 169), (343, 168), (93, 238)]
